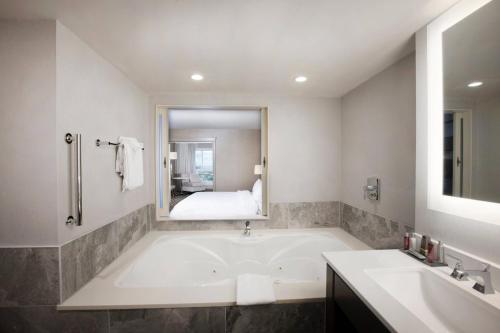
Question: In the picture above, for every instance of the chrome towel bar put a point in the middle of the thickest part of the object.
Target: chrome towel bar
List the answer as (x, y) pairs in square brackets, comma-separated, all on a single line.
[(77, 138), (100, 142)]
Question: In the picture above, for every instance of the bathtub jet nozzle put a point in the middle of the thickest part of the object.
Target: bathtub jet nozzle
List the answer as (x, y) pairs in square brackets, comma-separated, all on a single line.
[(246, 232)]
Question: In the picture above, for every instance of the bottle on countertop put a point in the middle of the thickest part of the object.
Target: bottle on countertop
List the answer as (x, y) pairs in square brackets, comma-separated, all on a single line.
[(413, 242), (423, 245), (406, 242), (431, 251), (440, 252)]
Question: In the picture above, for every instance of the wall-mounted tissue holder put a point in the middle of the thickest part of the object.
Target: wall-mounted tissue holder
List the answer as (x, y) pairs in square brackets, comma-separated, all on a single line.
[(372, 189)]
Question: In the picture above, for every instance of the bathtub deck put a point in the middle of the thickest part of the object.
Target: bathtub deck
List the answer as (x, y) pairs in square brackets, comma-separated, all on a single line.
[(102, 293)]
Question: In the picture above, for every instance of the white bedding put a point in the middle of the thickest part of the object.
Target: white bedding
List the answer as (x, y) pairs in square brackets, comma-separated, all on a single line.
[(216, 205)]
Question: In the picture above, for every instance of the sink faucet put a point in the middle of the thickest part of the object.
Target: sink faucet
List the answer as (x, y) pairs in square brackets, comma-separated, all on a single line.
[(460, 274), (486, 287), (458, 271), (246, 232)]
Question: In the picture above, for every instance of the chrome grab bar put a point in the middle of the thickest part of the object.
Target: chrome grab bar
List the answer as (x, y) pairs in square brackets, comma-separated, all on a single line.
[(77, 138)]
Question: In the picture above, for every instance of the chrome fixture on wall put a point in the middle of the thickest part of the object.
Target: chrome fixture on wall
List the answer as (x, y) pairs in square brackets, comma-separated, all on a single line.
[(372, 189), (100, 143), (77, 139)]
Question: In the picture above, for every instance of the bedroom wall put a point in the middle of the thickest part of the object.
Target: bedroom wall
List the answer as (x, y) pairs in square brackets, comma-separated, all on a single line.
[(378, 139), (95, 99), (27, 133), (236, 153), (304, 141)]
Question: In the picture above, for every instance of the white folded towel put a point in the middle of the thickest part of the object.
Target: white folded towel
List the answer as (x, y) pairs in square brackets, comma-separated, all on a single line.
[(129, 163), (254, 289)]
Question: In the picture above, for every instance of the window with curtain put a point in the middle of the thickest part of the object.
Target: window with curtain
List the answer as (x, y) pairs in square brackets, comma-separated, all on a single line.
[(204, 163), (204, 160)]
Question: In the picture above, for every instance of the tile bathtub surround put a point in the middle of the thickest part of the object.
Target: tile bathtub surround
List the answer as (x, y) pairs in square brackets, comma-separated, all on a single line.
[(48, 319), (209, 320), (29, 276), (312, 214), (282, 216), (292, 317), (133, 227), (376, 231), (289, 318), (83, 258)]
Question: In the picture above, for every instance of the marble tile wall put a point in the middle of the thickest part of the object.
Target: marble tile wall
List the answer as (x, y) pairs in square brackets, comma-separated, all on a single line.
[(209, 320), (376, 231), (47, 319), (29, 276), (29, 292), (290, 318), (84, 257), (30, 281), (282, 216)]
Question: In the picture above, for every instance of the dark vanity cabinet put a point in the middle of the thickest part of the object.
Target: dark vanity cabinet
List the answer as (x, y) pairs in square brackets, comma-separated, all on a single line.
[(345, 311)]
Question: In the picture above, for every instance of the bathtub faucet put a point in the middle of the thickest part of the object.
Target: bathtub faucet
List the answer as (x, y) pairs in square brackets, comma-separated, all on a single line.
[(246, 232)]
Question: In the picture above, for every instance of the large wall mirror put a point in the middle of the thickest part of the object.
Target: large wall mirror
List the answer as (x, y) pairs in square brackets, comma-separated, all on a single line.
[(211, 163), (471, 98), (458, 104)]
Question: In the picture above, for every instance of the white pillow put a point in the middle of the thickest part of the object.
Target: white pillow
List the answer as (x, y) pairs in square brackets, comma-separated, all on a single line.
[(257, 194)]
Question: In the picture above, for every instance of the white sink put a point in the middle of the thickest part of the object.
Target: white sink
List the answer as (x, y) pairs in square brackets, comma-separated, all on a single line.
[(440, 304)]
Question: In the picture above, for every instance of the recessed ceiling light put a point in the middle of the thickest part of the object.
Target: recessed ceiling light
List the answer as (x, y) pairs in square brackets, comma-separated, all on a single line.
[(197, 77), (475, 84), (300, 79)]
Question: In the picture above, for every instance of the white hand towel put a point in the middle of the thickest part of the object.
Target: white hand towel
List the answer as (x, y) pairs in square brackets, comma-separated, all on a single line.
[(129, 163), (254, 289)]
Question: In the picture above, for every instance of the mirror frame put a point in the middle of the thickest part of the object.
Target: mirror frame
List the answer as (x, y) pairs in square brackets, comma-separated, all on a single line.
[(469, 208)]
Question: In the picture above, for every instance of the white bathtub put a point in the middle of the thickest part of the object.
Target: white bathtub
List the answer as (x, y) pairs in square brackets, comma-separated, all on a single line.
[(200, 268), (204, 261)]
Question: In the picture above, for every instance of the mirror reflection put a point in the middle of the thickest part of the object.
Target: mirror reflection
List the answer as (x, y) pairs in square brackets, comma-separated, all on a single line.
[(192, 168), (215, 164), (471, 76)]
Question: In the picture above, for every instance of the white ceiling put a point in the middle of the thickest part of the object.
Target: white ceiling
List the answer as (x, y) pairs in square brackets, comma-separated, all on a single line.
[(214, 119), (242, 46)]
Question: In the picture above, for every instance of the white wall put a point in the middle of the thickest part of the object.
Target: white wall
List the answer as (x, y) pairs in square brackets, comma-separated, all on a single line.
[(304, 141), (378, 139), (98, 101), (27, 133), (473, 236), (237, 151), (485, 182)]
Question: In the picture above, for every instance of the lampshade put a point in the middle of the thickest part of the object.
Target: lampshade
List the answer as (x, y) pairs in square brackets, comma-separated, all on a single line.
[(257, 169), (172, 155)]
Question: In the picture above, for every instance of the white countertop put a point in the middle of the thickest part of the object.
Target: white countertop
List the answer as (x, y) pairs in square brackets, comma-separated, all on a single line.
[(102, 293), (351, 266)]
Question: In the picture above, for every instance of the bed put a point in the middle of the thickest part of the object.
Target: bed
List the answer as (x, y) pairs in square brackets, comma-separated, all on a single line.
[(217, 205)]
